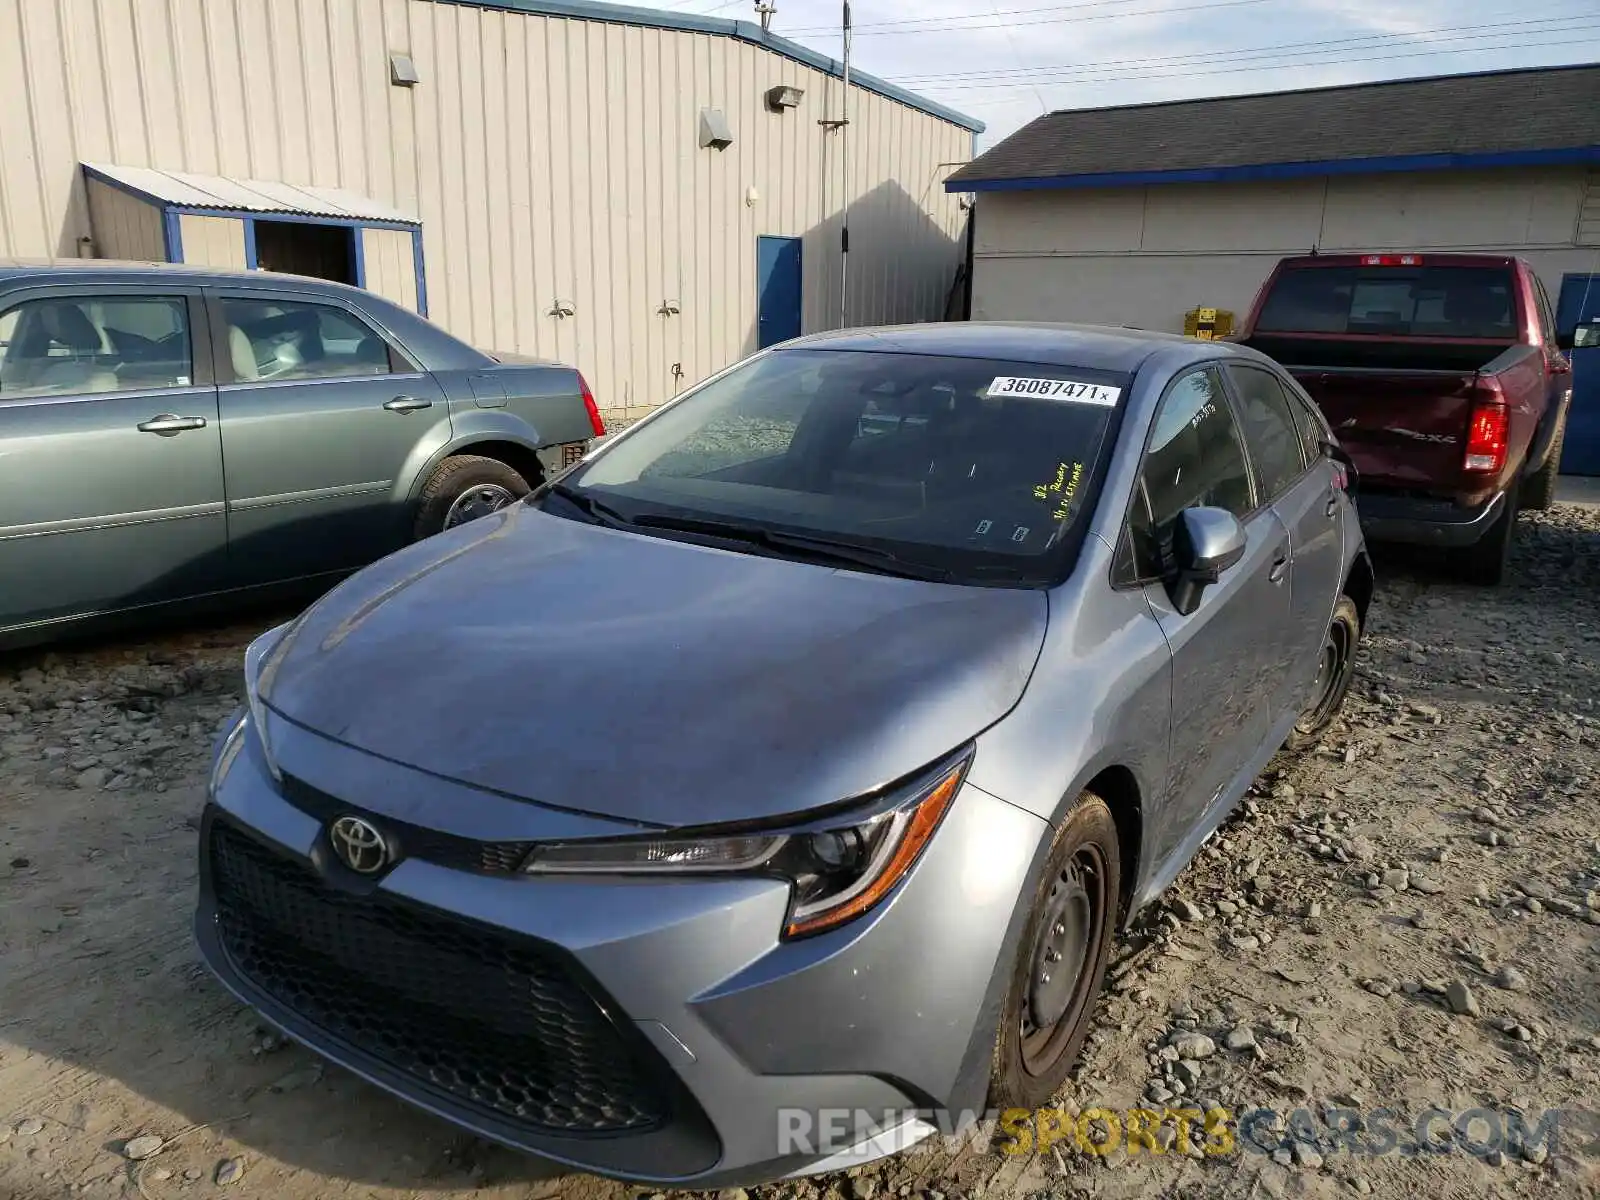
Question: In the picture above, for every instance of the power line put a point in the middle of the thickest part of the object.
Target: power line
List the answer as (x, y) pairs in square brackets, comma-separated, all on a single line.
[(1240, 68), (1117, 16), (1240, 53), (1004, 12)]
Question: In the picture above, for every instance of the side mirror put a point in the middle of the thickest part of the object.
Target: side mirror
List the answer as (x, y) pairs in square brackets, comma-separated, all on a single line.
[(1206, 542)]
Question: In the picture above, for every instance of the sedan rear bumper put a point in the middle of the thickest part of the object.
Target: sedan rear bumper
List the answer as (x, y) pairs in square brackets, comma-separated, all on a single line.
[(646, 1030), (1423, 521)]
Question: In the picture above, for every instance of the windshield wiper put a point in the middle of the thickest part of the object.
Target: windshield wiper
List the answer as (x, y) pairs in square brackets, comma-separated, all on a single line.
[(813, 549), (598, 510)]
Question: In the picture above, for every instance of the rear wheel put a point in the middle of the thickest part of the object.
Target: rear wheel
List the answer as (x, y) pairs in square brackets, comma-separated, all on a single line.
[(463, 488), (1539, 489), (1486, 562), (1061, 961), (1334, 670)]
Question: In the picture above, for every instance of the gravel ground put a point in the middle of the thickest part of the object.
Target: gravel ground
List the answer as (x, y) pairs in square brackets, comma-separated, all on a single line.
[(1406, 917)]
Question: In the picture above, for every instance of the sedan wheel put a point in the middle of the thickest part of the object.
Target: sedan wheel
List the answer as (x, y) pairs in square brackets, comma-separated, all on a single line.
[(463, 488), (477, 501), (1334, 669), (1061, 963)]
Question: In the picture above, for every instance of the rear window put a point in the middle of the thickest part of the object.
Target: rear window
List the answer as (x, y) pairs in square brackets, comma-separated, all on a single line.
[(1460, 302), (959, 462)]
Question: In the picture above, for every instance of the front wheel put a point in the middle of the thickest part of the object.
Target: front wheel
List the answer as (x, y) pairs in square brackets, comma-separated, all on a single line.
[(463, 488), (1061, 961), (1335, 666)]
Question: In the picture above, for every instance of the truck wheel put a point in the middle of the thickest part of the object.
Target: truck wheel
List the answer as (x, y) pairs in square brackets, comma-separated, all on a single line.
[(463, 488), (1486, 562), (1539, 489)]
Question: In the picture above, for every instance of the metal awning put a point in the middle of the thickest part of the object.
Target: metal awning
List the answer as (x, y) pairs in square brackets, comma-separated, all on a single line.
[(180, 189)]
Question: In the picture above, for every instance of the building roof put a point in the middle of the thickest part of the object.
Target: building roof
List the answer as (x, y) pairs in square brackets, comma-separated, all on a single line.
[(180, 189), (1533, 116), (744, 31)]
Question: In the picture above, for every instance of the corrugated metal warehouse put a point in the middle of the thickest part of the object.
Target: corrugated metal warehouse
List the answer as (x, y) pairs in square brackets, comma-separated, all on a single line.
[(1138, 214), (554, 178)]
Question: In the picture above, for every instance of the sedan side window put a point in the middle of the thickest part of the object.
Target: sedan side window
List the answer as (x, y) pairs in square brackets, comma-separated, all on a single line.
[(287, 339), (1195, 459), (73, 345), (1269, 430)]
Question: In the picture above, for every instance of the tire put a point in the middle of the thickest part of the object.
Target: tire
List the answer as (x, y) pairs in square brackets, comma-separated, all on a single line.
[(1486, 562), (448, 497), (1333, 676), (1079, 896), (1538, 491)]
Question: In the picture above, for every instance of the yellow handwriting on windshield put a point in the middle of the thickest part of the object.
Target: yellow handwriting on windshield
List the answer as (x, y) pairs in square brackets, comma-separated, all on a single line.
[(1061, 489)]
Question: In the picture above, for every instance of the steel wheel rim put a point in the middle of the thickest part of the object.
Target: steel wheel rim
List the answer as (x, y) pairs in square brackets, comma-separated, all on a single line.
[(1331, 674), (1060, 964), (477, 501)]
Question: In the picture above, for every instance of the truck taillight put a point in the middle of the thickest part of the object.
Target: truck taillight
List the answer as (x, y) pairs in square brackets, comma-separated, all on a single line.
[(1486, 436), (596, 422)]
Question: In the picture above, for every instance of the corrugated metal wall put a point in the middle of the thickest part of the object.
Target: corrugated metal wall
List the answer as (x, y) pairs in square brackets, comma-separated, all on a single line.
[(1145, 256), (212, 241), (549, 159), (127, 227), (390, 264)]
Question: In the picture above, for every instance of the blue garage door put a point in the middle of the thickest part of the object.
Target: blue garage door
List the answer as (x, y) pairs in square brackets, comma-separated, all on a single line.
[(1580, 305), (777, 289)]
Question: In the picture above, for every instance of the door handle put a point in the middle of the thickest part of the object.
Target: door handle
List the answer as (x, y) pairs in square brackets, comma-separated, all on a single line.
[(168, 424), (404, 404), (1332, 506), (1280, 568)]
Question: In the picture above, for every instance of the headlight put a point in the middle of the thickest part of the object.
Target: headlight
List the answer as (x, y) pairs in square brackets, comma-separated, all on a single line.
[(257, 660), (838, 869)]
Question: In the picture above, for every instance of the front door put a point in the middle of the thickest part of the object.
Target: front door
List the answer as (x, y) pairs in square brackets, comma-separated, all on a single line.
[(110, 461), (1578, 317), (777, 290), (1227, 655), (320, 415)]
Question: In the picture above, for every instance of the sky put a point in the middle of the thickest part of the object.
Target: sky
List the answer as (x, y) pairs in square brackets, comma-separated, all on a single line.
[(1007, 61)]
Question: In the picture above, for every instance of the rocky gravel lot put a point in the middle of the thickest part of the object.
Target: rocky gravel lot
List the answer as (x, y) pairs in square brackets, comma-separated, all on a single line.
[(1405, 918)]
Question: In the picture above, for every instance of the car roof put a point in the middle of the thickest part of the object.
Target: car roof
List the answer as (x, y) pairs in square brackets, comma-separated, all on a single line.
[(113, 270), (1091, 347)]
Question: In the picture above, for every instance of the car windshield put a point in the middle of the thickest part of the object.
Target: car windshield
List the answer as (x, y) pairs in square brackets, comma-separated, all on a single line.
[(985, 470)]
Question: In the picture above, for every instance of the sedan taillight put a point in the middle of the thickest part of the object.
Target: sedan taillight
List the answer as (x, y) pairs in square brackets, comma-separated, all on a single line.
[(596, 422)]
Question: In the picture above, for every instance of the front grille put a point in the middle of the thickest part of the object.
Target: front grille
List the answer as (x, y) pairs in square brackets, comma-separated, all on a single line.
[(498, 1022), (413, 841)]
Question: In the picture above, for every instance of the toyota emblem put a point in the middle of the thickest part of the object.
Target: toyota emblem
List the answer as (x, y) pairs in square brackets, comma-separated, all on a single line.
[(359, 846)]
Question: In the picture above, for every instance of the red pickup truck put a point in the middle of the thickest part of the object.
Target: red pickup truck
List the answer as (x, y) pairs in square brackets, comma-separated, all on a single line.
[(1442, 379)]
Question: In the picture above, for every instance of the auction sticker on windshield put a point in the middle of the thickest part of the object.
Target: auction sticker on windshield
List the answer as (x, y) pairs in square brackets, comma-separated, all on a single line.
[(1056, 389)]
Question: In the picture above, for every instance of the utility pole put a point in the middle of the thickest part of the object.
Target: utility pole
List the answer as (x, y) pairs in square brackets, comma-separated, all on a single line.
[(766, 12), (844, 168)]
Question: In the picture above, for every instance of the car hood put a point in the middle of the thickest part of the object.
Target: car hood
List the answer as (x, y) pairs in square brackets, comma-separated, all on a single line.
[(647, 679)]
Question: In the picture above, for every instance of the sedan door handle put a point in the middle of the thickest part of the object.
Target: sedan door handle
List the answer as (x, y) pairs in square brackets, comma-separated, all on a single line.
[(1280, 568), (168, 424), (1332, 506), (404, 404)]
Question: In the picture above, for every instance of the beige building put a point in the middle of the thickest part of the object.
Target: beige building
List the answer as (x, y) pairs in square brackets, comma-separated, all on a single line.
[(646, 195), (1138, 215)]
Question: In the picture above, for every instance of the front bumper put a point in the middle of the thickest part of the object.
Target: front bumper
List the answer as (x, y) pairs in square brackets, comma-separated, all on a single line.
[(695, 1044), (1424, 521)]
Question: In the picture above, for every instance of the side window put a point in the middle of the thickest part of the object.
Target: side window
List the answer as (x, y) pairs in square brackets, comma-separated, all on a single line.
[(289, 339), (1269, 430), (1547, 318), (71, 345), (1308, 417), (1195, 459)]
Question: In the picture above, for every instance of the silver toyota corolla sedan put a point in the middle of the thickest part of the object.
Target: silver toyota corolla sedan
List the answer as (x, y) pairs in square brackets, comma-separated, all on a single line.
[(765, 792)]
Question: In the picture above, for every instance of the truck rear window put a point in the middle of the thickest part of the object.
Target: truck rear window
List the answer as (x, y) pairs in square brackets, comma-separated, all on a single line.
[(1460, 302)]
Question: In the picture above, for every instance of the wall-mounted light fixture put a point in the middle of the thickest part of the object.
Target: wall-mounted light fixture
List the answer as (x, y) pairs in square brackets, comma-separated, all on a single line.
[(715, 131), (402, 71), (669, 308), (752, 196), (783, 96), (562, 308)]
